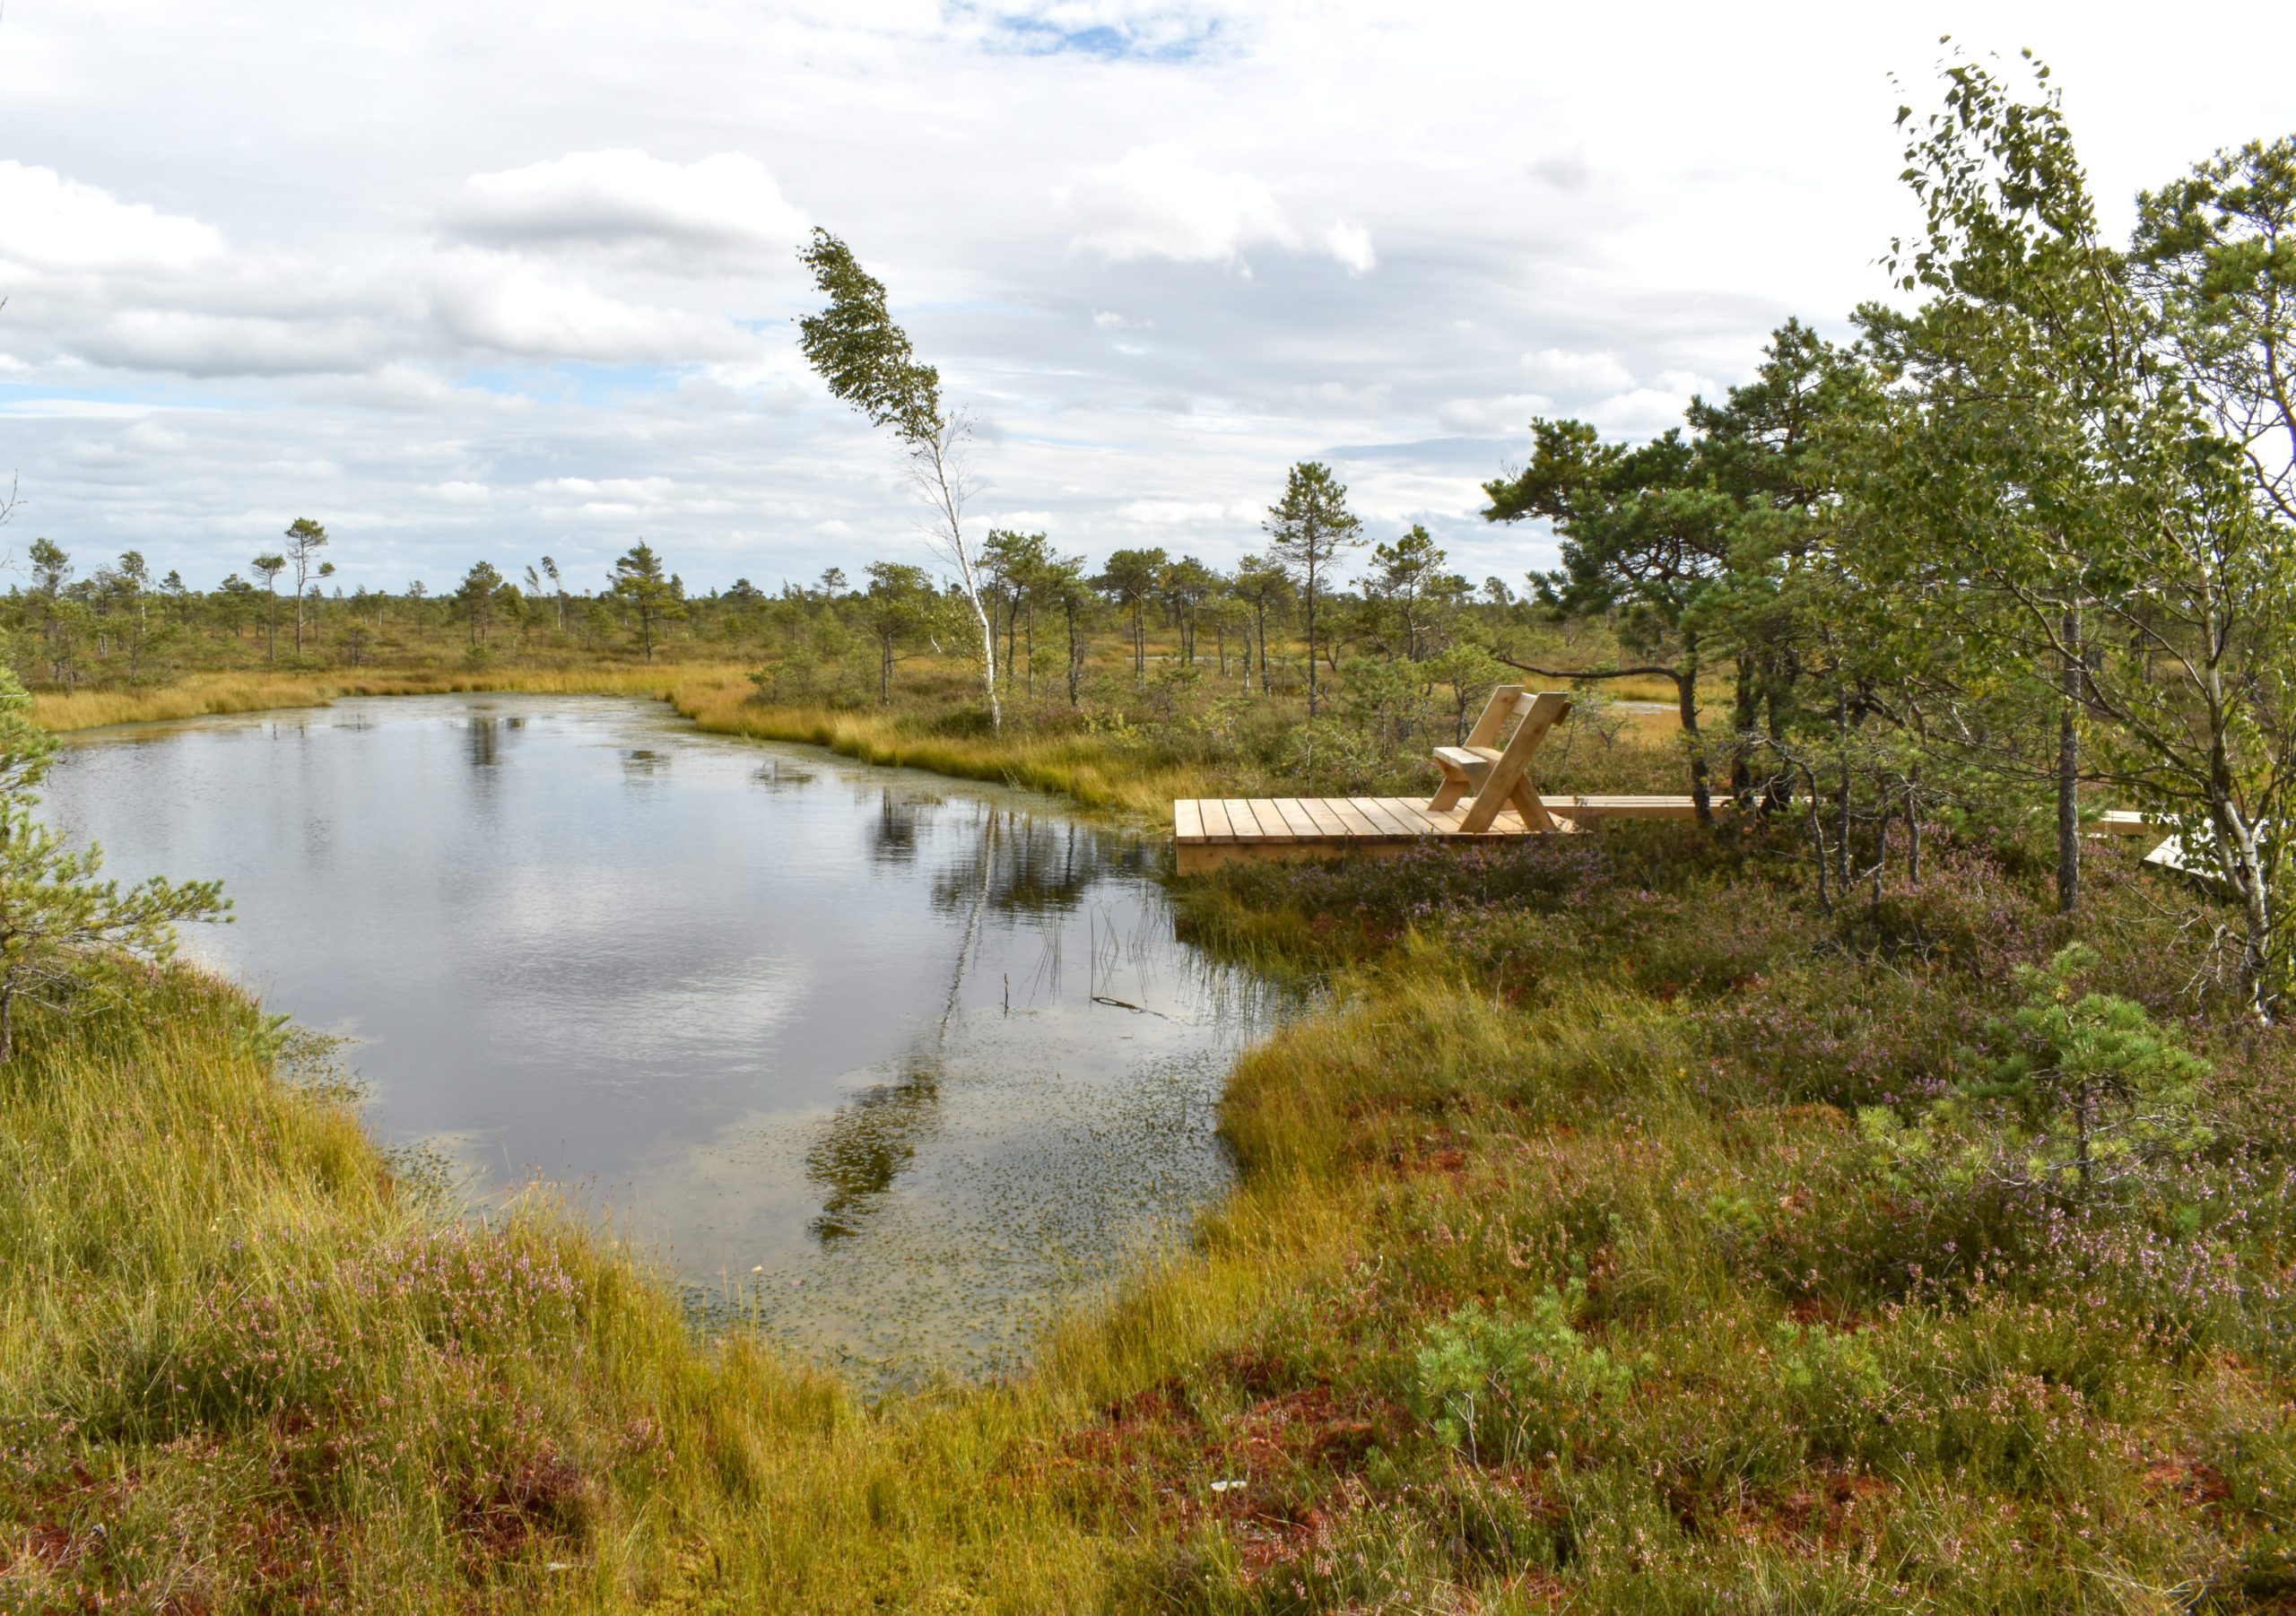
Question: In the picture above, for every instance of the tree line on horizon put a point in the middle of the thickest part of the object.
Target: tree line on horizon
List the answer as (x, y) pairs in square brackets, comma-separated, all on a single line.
[(119, 623)]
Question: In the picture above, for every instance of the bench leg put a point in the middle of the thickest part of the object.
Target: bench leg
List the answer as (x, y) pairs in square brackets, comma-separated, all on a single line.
[(1525, 797), (1454, 786)]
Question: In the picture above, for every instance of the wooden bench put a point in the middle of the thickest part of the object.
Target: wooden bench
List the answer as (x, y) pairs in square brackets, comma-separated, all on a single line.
[(1499, 776)]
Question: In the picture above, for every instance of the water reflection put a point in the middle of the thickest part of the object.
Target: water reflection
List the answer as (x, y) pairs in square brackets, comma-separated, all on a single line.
[(1022, 864), (815, 1043), (484, 730), (777, 772), (865, 1146), (892, 835)]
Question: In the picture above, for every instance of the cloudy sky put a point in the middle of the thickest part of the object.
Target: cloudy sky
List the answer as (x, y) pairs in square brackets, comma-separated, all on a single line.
[(467, 279)]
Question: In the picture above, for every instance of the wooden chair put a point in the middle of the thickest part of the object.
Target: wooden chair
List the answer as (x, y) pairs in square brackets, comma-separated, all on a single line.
[(1499, 775)]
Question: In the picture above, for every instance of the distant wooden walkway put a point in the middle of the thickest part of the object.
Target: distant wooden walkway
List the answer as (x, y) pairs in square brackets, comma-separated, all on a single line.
[(1208, 831), (1486, 795)]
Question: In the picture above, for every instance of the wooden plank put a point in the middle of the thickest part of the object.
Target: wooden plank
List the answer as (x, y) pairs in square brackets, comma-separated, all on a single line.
[(1377, 811), (1495, 714), (1216, 827), (1420, 820), (1327, 821), (1628, 807), (1359, 824), (1241, 820), (1296, 818), (1188, 821), (1414, 817), (1271, 825), (1266, 826)]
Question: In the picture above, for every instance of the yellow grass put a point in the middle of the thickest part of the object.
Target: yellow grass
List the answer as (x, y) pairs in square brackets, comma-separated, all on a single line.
[(200, 694), (1091, 770)]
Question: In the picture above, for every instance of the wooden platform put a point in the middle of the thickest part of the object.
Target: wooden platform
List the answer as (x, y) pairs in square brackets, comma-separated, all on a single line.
[(1207, 831), (1486, 793)]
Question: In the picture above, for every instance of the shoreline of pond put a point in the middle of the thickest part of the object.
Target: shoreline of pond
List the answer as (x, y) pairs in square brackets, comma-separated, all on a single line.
[(751, 1299)]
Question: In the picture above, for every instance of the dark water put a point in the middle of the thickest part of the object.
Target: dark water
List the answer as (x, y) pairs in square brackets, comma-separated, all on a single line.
[(892, 1064)]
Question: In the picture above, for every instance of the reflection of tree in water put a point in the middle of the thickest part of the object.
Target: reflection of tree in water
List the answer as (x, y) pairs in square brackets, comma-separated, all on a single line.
[(868, 1142), (892, 839), (1015, 865), (1023, 865), (484, 736)]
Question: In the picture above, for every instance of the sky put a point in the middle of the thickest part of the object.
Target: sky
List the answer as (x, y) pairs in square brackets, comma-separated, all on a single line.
[(468, 280)]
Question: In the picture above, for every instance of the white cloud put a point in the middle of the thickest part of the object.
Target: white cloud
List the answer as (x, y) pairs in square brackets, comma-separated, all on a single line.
[(1642, 411), (1509, 413), (500, 303), (1181, 513), (393, 386), (149, 437), (639, 489), (54, 223), (1158, 201), (730, 199), (1566, 171), (1351, 244), (460, 492), (1371, 398), (1567, 375), (220, 345)]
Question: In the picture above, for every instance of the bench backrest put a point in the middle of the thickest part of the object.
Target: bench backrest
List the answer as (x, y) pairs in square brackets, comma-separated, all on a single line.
[(1503, 704)]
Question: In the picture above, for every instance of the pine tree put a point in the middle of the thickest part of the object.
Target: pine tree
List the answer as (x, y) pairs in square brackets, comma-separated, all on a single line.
[(63, 930), (1306, 531)]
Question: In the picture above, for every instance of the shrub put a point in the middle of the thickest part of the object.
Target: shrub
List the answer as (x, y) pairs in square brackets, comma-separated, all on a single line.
[(2091, 1091), (1506, 1388)]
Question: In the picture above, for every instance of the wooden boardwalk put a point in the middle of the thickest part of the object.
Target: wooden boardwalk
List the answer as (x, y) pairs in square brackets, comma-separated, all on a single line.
[(1208, 831), (1486, 795)]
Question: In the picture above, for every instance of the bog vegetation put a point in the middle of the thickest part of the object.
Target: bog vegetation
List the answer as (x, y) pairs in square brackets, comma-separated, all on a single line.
[(1881, 1196)]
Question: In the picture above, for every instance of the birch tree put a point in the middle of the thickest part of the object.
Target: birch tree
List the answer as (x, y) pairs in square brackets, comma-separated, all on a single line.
[(854, 345)]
